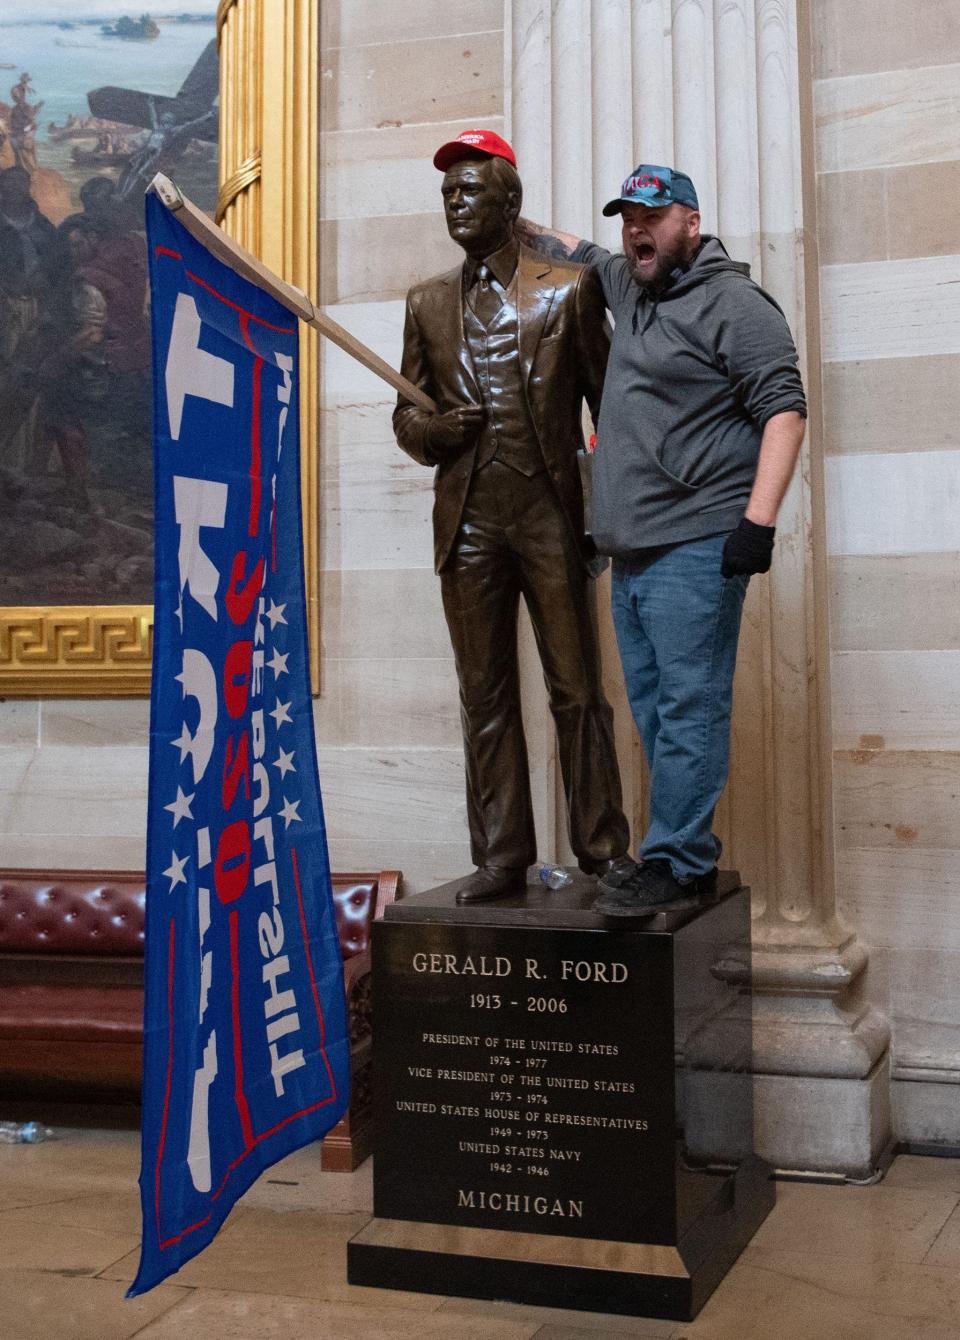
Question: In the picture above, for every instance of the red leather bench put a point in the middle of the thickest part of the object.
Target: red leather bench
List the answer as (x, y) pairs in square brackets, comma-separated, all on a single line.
[(71, 990)]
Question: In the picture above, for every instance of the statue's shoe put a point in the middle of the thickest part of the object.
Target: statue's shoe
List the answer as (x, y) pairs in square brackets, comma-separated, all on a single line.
[(492, 881)]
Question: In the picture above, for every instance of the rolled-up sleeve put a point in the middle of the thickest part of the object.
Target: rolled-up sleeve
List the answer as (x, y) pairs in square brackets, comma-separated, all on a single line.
[(757, 352), (611, 270)]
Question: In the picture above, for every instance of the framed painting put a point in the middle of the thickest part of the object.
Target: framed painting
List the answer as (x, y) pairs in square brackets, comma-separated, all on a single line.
[(96, 106)]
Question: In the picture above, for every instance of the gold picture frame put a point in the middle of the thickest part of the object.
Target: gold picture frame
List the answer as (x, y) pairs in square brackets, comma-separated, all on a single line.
[(269, 134)]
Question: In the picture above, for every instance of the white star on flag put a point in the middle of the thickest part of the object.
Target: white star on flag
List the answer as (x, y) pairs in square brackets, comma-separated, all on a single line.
[(185, 743), (278, 663), (281, 713), (180, 809), (174, 871), (275, 613), (284, 762), (178, 612), (289, 812)]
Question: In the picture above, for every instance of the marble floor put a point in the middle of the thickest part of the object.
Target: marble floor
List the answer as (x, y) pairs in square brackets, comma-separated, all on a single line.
[(873, 1263)]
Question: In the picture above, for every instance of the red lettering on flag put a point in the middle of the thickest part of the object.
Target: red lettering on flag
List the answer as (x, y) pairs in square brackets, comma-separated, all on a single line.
[(256, 483), (243, 1111), (236, 678), (232, 866), (240, 602)]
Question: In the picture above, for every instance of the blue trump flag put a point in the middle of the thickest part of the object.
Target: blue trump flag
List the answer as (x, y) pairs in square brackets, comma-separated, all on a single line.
[(245, 1032)]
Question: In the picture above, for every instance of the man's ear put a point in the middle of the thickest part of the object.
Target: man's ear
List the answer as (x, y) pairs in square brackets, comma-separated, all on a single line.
[(513, 205), (693, 223)]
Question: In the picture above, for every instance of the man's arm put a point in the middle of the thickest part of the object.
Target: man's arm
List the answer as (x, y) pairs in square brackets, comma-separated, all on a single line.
[(749, 548), (779, 449), (546, 241), (594, 340)]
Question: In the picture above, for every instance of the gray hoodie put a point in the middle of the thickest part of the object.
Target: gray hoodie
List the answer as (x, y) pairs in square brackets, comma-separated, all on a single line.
[(694, 374)]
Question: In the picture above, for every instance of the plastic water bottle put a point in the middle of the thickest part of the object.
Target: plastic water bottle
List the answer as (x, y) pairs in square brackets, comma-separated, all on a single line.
[(553, 876), (23, 1133)]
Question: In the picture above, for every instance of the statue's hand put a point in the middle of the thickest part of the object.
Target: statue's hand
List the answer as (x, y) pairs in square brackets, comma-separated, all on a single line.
[(455, 429)]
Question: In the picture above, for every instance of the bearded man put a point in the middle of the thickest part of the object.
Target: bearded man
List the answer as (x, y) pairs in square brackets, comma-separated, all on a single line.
[(702, 420)]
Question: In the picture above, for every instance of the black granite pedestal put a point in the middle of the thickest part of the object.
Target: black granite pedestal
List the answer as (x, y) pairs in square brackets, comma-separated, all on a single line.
[(531, 1095)]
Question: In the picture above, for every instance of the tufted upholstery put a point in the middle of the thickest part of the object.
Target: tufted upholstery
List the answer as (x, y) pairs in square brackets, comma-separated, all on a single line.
[(71, 988), (354, 904), (70, 913)]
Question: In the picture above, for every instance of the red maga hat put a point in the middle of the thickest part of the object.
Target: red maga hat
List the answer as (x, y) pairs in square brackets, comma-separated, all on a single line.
[(473, 142)]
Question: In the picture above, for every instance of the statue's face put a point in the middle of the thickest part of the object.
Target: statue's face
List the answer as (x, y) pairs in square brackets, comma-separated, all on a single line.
[(477, 206)]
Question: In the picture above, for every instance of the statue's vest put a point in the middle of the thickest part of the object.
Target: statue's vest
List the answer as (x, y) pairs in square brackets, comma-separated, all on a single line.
[(508, 433)]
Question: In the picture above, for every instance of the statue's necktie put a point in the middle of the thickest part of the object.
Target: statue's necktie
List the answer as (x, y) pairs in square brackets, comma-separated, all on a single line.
[(487, 295)]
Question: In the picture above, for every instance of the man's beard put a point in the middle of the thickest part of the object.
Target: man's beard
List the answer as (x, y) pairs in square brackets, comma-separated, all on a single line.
[(655, 280)]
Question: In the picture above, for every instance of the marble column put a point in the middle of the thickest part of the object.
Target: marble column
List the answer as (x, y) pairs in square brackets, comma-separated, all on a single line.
[(715, 86)]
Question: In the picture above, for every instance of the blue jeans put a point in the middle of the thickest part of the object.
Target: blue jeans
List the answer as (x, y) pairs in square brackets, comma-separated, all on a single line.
[(677, 622)]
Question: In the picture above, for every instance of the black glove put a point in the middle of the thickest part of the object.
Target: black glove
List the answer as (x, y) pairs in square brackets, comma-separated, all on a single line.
[(748, 549), (457, 428)]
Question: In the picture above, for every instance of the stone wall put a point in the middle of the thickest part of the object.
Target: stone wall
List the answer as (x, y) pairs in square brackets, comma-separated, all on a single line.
[(887, 102)]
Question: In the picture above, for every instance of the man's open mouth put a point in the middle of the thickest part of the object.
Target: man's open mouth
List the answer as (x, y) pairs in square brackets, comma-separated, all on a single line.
[(645, 253)]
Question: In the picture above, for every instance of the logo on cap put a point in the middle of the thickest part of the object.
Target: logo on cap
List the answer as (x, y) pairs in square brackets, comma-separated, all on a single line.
[(656, 187), (470, 142)]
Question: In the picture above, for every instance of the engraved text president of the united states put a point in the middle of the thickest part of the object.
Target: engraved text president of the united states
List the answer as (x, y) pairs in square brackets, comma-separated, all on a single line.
[(509, 345)]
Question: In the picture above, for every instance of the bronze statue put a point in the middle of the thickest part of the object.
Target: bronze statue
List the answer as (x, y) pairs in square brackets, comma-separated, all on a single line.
[(509, 345)]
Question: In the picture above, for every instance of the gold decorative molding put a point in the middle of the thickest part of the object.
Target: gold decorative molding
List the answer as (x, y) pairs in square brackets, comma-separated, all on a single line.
[(72, 651), (246, 174)]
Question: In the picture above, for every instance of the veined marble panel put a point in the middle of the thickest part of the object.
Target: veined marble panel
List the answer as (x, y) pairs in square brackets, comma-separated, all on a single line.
[(423, 864), (67, 790), (75, 851), (897, 799), (925, 986), (860, 38), (872, 405), (19, 723), (896, 700), (891, 309), (890, 118), (901, 899), (431, 79), (369, 22), (15, 764), (376, 511), (901, 602), (344, 381), (383, 704), (917, 223), (366, 173), (353, 252), (897, 503), (408, 794), (116, 723), (395, 612)]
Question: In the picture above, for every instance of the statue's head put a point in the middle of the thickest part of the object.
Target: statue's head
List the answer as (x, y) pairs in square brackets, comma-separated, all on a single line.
[(481, 191)]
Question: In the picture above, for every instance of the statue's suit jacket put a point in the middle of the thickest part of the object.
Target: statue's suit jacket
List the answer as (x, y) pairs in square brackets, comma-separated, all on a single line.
[(564, 342)]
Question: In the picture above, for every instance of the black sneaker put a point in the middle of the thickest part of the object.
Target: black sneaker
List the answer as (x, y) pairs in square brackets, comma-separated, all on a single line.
[(652, 889), (612, 873)]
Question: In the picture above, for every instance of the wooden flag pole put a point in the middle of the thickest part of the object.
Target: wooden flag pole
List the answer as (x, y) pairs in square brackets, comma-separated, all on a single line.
[(294, 299)]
